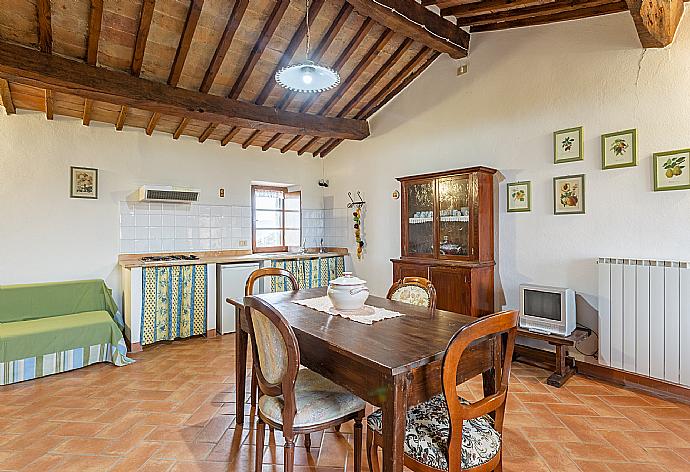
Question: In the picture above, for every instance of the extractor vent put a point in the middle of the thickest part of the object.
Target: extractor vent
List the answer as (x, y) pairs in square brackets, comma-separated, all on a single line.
[(168, 194)]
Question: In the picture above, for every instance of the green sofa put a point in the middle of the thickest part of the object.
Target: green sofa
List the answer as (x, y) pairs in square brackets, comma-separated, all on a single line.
[(55, 327)]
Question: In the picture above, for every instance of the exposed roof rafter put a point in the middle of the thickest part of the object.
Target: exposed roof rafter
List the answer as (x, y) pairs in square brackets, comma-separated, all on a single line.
[(415, 21), (30, 67)]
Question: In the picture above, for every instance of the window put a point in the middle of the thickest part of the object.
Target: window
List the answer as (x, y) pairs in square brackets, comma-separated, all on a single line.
[(276, 218)]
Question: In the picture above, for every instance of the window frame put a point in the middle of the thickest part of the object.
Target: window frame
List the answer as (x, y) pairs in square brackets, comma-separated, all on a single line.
[(282, 210)]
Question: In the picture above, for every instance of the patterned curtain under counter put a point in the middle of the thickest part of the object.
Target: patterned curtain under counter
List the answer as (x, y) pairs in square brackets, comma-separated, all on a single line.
[(310, 273), (174, 302)]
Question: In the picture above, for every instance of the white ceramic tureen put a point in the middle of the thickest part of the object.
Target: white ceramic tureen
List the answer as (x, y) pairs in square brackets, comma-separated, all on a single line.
[(348, 292)]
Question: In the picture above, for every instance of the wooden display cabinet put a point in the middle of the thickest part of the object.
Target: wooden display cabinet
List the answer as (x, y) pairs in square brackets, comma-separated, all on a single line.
[(447, 229)]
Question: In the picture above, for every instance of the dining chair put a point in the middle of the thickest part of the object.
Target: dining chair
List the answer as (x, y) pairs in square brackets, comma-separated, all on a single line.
[(249, 290), (448, 432), (293, 400), (415, 291)]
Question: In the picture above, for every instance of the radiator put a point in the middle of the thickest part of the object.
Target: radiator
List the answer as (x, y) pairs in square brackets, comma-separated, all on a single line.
[(644, 317)]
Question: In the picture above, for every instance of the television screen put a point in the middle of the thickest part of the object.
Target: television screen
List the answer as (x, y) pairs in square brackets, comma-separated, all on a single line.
[(543, 304)]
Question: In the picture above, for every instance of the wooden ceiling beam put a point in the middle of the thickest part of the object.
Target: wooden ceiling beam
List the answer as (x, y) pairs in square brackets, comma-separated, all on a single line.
[(284, 61), (145, 18), (207, 132), (409, 18), (30, 67), (656, 21), (444, 3), (490, 6), (49, 103), (45, 44), (225, 41), (178, 63), (139, 47), (550, 9), (45, 27), (182, 50), (121, 117), (404, 78), (238, 10), (269, 28), (6, 97), (356, 73), (374, 81), (180, 128), (185, 41), (606, 9), (349, 50), (94, 36)]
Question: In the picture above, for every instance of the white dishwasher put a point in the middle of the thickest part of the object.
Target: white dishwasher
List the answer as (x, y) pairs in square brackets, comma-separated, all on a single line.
[(232, 278)]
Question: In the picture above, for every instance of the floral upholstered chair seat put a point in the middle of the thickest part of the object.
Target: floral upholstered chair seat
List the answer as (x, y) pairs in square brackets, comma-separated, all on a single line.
[(413, 295), (427, 434), (318, 401)]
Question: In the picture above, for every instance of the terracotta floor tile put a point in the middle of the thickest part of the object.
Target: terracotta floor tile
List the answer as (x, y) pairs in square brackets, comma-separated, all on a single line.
[(136, 457), (334, 450), (175, 410), (78, 429), (556, 457), (600, 452), (667, 458), (45, 463), (83, 446), (86, 463)]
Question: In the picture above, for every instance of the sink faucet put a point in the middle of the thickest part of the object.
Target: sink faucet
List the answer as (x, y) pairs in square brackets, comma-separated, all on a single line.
[(322, 249)]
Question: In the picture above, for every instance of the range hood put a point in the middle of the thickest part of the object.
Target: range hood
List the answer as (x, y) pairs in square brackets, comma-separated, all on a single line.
[(170, 194)]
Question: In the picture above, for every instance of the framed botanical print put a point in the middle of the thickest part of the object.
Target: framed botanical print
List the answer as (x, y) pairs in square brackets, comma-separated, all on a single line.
[(519, 196), (568, 145), (670, 170), (83, 182), (569, 194), (619, 149)]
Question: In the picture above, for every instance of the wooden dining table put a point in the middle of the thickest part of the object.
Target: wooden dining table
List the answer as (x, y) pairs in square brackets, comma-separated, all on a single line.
[(393, 363)]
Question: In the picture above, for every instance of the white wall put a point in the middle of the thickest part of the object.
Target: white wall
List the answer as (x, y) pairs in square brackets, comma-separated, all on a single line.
[(522, 85), (47, 236)]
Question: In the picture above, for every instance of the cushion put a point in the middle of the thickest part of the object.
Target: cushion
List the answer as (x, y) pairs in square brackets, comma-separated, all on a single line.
[(318, 401), (22, 339), (412, 294), (427, 435)]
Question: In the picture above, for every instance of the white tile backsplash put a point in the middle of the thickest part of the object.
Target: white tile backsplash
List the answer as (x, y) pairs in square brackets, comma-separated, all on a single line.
[(166, 227)]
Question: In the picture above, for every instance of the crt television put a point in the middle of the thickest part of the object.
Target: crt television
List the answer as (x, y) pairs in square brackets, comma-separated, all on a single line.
[(548, 310)]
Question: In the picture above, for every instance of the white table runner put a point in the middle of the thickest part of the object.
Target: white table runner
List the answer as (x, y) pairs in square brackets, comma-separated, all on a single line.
[(367, 315)]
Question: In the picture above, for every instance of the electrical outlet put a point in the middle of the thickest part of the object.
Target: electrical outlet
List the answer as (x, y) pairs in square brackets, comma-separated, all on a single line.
[(222, 193), (243, 242), (462, 70)]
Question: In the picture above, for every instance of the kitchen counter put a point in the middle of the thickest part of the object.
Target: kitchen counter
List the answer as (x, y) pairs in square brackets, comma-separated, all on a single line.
[(129, 261)]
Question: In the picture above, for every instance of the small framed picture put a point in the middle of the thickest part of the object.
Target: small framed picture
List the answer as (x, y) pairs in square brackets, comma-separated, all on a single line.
[(569, 194), (567, 145), (519, 196), (671, 170), (83, 182), (619, 149)]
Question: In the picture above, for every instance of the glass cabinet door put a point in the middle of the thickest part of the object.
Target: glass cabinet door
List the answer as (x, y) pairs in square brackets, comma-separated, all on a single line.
[(454, 216), (420, 218)]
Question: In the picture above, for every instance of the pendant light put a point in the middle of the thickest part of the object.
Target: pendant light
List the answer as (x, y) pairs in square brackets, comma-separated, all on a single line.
[(307, 76)]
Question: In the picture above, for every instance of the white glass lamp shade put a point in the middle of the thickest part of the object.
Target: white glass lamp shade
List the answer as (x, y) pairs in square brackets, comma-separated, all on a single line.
[(307, 77)]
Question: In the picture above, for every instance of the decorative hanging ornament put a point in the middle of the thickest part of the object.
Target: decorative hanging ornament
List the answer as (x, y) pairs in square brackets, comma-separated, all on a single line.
[(357, 218), (307, 76)]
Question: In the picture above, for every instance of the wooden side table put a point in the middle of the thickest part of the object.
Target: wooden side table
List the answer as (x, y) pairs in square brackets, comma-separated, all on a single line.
[(565, 366)]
